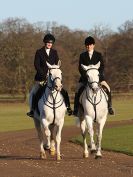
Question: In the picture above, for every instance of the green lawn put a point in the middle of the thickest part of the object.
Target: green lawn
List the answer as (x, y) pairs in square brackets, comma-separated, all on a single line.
[(13, 115), (119, 139), (123, 109)]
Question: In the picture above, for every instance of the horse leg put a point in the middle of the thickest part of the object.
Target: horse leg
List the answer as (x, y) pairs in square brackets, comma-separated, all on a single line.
[(52, 142), (91, 133), (48, 134), (58, 140), (99, 137), (40, 136), (83, 132)]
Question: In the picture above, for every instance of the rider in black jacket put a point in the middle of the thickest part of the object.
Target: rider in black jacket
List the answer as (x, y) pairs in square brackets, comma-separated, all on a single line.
[(43, 55), (87, 58)]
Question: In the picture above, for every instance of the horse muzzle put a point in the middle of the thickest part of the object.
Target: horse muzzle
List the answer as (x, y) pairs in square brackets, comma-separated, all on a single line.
[(58, 87), (95, 88)]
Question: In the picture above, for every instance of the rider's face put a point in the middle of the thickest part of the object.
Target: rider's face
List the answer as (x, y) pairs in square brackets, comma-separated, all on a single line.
[(49, 45), (90, 47)]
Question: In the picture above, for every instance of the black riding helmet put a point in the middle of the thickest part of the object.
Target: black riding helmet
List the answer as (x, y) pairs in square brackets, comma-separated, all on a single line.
[(89, 40), (49, 38)]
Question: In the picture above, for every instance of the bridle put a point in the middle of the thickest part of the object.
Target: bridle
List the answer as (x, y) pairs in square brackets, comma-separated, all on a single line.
[(52, 105), (90, 99), (90, 83), (52, 81)]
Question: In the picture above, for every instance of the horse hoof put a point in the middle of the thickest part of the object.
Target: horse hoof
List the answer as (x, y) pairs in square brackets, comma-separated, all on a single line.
[(52, 152), (42, 155), (98, 157), (59, 157), (46, 147), (85, 155)]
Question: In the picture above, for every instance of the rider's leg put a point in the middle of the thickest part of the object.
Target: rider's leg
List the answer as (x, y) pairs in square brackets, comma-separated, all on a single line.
[(38, 95), (108, 91), (67, 101), (78, 92), (32, 99)]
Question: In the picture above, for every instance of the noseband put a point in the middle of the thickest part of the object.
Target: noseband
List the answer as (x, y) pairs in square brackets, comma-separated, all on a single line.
[(90, 83)]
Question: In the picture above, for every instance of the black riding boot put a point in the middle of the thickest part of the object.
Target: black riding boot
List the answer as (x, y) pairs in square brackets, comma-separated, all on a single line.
[(67, 101), (35, 99), (76, 100), (110, 109), (31, 113), (76, 104)]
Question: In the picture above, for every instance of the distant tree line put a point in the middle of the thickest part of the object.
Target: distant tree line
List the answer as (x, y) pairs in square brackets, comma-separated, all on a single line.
[(19, 40)]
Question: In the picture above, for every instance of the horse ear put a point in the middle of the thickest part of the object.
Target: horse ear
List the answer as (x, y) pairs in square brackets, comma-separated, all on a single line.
[(98, 64), (49, 66), (59, 63), (84, 67)]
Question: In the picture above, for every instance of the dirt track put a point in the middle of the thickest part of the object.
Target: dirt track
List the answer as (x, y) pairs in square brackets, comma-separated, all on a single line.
[(19, 157)]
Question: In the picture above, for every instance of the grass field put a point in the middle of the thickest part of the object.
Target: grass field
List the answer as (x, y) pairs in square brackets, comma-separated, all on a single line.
[(123, 108), (119, 139), (13, 115)]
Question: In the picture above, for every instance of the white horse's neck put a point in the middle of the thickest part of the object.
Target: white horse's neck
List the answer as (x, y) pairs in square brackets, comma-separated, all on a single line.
[(51, 96), (94, 97)]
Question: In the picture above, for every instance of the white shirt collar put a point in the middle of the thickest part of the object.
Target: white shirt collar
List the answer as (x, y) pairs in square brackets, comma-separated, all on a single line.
[(90, 53), (47, 51)]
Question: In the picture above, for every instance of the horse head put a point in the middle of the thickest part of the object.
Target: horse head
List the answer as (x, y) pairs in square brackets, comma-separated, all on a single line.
[(55, 76), (92, 74)]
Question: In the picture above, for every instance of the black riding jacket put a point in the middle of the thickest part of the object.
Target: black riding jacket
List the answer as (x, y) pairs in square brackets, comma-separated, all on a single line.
[(40, 62), (85, 60)]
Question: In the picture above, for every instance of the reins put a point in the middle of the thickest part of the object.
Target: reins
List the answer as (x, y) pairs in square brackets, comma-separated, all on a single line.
[(90, 99), (94, 104), (45, 98)]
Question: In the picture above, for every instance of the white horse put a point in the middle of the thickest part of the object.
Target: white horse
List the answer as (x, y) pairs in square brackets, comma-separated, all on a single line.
[(95, 109), (52, 112)]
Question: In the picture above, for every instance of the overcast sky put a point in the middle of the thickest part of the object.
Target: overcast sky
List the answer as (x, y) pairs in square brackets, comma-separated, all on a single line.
[(75, 14)]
